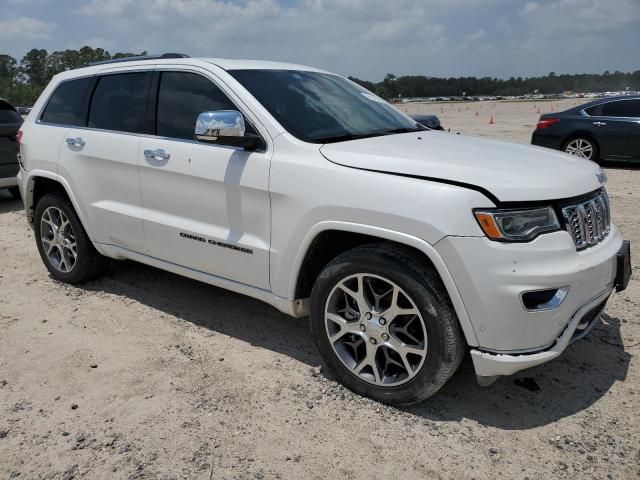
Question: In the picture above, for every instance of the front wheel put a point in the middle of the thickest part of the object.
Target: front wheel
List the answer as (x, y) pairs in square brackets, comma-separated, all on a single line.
[(384, 325), (582, 147)]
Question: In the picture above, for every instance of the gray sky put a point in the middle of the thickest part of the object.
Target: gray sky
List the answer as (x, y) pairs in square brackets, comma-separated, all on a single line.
[(364, 38)]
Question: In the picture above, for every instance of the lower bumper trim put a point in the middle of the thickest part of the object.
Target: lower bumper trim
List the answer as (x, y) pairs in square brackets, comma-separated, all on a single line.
[(493, 364)]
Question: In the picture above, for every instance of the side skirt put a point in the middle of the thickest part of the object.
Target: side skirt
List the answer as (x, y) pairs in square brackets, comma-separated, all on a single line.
[(295, 309)]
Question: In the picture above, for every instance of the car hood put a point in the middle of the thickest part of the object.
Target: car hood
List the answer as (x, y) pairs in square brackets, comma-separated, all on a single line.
[(507, 171)]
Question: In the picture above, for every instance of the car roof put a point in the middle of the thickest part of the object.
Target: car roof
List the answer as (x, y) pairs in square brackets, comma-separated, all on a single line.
[(223, 63), (239, 64), (602, 100)]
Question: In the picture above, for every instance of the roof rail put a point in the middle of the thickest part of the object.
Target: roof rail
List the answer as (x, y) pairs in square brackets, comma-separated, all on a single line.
[(135, 58)]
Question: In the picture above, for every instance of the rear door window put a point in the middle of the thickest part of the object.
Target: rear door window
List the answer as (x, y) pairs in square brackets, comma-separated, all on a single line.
[(119, 102), (622, 108), (182, 96), (66, 105)]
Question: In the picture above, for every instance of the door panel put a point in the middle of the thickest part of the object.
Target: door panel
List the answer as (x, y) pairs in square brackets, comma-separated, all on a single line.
[(102, 171), (618, 129), (101, 162), (208, 208)]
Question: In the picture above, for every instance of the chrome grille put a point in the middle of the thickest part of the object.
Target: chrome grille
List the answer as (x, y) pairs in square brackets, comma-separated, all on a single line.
[(588, 222)]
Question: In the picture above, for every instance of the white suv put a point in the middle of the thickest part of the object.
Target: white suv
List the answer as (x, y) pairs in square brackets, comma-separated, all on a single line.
[(405, 246)]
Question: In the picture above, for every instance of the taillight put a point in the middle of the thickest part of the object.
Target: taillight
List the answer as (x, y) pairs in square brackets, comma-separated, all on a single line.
[(546, 122), (19, 138)]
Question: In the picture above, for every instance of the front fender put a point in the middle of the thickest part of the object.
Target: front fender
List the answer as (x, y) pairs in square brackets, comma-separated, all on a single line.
[(394, 236)]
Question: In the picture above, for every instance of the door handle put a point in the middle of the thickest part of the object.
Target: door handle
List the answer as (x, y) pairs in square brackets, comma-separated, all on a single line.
[(600, 124), (157, 154), (75, 142)]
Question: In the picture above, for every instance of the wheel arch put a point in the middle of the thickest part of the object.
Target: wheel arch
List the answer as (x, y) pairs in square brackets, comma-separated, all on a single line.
[(582, 134), (39, 183), (328, 239)]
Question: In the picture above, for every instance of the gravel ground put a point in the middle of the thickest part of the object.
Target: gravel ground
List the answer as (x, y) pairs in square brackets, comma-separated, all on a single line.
[(144, 374)]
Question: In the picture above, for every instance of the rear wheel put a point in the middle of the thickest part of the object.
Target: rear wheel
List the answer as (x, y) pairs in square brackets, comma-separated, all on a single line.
[(15, 192), (384, 325), (583, 147), (64, 246)]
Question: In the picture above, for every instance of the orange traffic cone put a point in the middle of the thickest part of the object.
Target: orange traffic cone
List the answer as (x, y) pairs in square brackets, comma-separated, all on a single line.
[(491, 122)]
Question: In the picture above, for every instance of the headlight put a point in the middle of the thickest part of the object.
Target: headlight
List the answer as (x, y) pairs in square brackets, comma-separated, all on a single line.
[(517, 225)]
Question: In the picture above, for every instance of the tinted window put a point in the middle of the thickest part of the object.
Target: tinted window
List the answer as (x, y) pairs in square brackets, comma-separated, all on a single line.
[(622, 108), (119, 102), (65, 106), (594, 111), (181, 98)]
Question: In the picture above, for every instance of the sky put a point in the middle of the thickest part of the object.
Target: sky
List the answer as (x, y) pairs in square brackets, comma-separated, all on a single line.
[(363, 38)]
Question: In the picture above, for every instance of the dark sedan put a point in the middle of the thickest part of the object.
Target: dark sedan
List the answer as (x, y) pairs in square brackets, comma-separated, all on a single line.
[(430, 121), (10, 122), (606, 129)]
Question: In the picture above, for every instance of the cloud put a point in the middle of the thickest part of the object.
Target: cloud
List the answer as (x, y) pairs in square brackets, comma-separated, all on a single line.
[(581, 16), (26, 28), (364, 38)]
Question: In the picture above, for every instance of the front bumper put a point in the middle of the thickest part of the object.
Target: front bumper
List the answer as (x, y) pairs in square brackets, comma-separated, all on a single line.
[(492, 276), (490, 365)]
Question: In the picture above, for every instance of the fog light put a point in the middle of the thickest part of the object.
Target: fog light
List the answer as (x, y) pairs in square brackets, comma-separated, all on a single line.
[(548, 299)]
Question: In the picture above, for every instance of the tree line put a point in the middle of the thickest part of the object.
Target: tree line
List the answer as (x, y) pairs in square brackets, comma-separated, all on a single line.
[(21, 82), (420, 86)]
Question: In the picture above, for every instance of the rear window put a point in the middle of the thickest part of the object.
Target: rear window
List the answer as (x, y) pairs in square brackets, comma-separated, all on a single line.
[(622, 108), (119, 102), (65, 106), (593, 111)]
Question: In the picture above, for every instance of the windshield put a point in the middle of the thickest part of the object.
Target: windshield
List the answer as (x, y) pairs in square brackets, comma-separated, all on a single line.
[(323, 108)]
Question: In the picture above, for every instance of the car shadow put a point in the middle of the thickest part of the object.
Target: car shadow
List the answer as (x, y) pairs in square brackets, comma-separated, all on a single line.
[(8, 203), (535, 397), (582, 375), (617, 165)]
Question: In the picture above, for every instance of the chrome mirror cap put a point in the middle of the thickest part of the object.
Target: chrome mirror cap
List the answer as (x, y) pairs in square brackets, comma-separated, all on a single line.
[(210, 126)]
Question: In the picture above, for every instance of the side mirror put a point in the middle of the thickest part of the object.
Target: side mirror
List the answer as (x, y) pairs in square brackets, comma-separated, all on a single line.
[(225, 127)]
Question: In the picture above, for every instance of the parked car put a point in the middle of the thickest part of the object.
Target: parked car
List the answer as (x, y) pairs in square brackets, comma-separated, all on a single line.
[(605, 129), (10, 122), (23, 110), (295, 186), (431, 121)]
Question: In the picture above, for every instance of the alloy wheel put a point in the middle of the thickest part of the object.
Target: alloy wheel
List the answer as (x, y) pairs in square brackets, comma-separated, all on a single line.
[(376, 329), (58, 240), (580, 147)]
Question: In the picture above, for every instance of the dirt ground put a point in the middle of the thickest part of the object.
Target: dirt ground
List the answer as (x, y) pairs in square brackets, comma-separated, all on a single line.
[(144, 374)]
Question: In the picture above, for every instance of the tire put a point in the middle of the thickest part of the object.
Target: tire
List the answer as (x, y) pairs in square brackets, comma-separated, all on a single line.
[(15, 193), (582, 147), (55, 208), (399, 380)]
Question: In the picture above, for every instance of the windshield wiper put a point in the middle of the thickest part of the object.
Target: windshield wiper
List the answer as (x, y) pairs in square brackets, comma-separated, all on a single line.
[(406, 130), (347, 136)]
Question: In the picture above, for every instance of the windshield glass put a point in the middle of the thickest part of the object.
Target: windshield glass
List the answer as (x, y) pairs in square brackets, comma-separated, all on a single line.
[(323, 108)]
